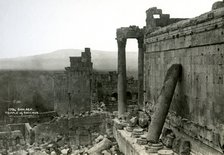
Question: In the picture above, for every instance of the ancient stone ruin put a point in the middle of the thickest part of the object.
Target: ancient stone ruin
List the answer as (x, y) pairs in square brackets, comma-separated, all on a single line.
[(175, 106), (183, 85)]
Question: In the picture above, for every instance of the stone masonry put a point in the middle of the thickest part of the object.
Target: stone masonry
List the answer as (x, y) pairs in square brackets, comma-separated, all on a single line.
[(196, 44), (73, 88)]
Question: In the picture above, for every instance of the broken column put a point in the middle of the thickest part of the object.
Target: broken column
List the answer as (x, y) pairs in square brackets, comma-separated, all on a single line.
[(163, 103), (140, 71), (121, 76)]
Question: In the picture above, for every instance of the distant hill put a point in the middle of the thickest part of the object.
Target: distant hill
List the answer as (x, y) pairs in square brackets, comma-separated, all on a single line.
[(58, 60)]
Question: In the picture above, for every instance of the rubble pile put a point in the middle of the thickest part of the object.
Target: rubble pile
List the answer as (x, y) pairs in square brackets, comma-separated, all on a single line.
[(102, 145)]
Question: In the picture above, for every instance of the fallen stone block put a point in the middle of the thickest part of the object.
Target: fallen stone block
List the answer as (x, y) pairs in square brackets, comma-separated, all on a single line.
[(143, 119), (99, 147), (99, 138), (21, 152), (185, 148), (105, 152), (165, 152)]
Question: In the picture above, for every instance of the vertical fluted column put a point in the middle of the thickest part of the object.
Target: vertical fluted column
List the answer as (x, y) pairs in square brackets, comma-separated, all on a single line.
[(140, 72), (121, 87)]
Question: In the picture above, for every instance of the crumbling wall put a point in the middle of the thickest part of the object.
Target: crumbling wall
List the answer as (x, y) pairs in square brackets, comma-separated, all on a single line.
[(104, 89), (31, 89), (73, 88), (197, 44), (156, 19), (76, 131), (10, 139)]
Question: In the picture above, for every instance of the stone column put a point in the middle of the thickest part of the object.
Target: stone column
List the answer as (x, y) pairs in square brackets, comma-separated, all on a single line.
[(121, 87), (140, 72), (163, 103)]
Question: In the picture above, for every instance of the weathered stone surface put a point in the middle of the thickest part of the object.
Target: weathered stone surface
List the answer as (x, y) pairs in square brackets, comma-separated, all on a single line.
[(143, 119), (40, 153), (185, 148), (21, 152), (103, 145), (64, 151), (163, 103), (133, 121), (217, 5), (167, 137), (176, 145), (105, 152), (141, 141), (73, 87), (118, 124), (121, 87), (201, 81), (165, 152), (99, 138)]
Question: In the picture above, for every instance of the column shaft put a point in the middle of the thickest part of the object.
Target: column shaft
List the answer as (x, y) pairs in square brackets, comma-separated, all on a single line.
[(121, 87), (140, 73), (163, 103)]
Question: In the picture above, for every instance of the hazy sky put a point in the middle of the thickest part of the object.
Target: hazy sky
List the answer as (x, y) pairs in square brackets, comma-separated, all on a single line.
[(29, 27)]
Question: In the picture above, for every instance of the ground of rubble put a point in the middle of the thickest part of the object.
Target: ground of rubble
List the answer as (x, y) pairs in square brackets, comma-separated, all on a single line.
[(102, 145)]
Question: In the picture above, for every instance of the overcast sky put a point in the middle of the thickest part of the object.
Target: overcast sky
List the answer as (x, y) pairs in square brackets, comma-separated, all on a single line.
[(29, 27)]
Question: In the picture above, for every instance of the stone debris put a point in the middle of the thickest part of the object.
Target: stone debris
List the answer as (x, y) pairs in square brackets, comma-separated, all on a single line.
[(105, 152), (168, 137), (137, 132), (165, 152), (99, 138), (129, 128), (143, 119), (185, 148), (154, 148), (133, 121), (99, 147), (142, 140)]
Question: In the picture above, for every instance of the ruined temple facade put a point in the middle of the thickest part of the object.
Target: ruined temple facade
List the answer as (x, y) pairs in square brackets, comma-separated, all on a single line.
[(197, 46), (80, 89), (73, 87)]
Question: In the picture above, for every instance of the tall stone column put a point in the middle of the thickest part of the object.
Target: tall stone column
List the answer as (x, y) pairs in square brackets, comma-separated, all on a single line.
[(140, 72), (121, 87), (163, 103)]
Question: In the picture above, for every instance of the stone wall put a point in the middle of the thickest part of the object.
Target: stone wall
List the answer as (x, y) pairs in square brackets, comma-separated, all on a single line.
[(11, 136), (76, 130), (73, 87), (197, 44), (31, 89), (104, 89)]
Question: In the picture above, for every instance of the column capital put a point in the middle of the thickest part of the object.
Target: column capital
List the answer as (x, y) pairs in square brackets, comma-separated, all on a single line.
[(121, 42), (140, 42)]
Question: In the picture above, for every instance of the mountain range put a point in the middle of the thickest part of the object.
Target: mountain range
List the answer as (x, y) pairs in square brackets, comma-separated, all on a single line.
[(58, 60)]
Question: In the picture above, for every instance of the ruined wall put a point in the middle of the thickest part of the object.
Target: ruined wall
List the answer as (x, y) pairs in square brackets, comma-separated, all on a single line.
[(198, 45), (73, 88), (11, 136), (31, 89), (104, 88), (76, 131)]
